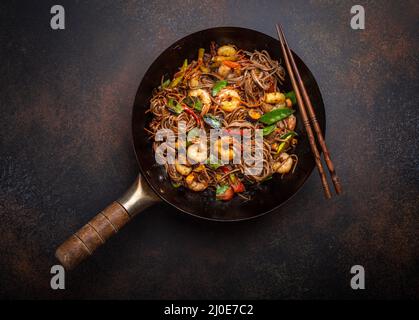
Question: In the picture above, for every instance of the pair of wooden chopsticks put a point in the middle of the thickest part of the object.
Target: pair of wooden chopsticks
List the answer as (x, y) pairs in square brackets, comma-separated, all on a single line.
[(305, 105)]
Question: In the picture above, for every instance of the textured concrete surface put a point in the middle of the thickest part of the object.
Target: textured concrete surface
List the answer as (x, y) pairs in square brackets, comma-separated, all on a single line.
[(65, 153)]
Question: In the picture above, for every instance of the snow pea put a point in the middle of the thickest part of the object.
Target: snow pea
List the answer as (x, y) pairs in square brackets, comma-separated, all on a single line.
[(276, 115), (268, 130)]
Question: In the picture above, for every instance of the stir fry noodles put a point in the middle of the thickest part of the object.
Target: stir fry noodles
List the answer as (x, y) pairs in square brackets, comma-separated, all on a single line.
[(233, 91)]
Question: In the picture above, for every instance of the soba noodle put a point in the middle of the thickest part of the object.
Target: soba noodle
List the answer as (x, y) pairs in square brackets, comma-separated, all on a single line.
[(238, 89)]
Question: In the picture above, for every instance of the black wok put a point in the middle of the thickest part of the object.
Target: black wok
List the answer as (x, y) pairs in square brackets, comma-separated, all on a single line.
[(153, 180)]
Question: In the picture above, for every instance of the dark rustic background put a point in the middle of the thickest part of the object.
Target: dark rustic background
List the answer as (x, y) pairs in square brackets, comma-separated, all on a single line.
[(66, 99)]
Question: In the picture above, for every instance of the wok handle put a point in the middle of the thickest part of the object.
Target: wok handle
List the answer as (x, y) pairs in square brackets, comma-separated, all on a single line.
[(108, 222)]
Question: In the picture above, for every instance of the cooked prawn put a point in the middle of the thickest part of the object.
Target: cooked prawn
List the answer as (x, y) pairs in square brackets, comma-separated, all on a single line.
[(275, 98), (225, 153), (226, 51), (193, 183), (205, 98), (197, 153), (223, 70), (291, 122), (184, 170), (284, 163), (229, 99)]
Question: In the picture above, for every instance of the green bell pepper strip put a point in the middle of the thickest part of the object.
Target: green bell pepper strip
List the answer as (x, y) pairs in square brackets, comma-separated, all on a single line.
[(165, 84), (201, 52), (218, 86), (276, 115)]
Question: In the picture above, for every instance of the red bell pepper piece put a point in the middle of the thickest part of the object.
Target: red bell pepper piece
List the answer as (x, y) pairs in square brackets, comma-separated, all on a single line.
[(225, 169), (226, 194), (193, 114), (236, 184)]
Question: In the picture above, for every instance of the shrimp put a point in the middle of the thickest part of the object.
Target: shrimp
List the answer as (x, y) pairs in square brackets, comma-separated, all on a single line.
[(225, 153), (193, 183), (291, 122), (197, 153), (223, 70), (229, 99), (275, 98), (205, 98), (182, 169), (194, 82), (226, 51), (284, 165)]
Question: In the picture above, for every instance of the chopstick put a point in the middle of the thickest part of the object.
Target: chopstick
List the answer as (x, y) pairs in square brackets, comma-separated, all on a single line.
[(298, 84), (313, 118)]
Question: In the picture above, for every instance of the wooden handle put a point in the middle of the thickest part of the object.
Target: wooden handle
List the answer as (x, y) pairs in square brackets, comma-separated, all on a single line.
[(92, 235)]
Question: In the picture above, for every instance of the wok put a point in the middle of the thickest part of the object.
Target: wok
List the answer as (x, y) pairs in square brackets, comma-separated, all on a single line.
[(152, 184)]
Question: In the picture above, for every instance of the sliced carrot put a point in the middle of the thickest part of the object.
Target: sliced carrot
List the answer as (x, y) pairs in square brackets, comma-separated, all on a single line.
[(231, 64)]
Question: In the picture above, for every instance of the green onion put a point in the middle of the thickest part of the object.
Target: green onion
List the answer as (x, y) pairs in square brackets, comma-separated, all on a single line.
[(281, 147), (181, 73), (185, 65), (276, 115), (218, 86), (284, 144), (165, 84), (289, 134)]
